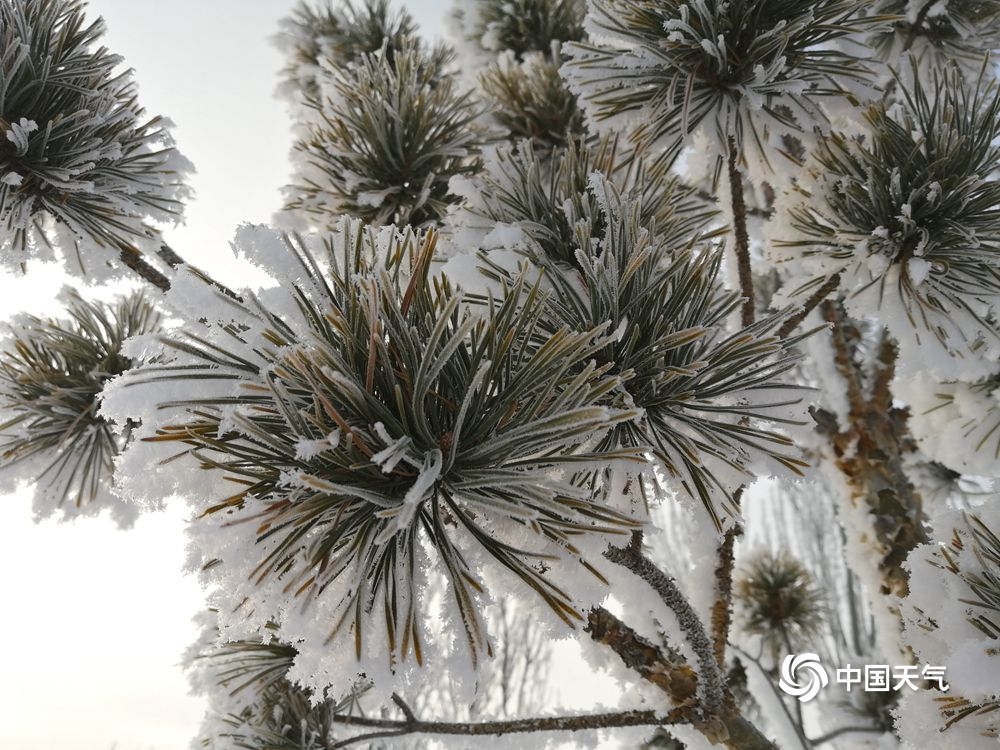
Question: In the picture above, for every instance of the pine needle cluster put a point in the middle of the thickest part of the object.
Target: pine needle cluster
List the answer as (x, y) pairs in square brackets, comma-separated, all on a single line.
[(530, 99), (781, 602), (711, 400), (957, 29), (75, 153), (908, 212), (550, 198), (331, 36), (52, 373), (254, 706), (385, 137), (387, 421), (979, 574), (741, 70), (523, 27)]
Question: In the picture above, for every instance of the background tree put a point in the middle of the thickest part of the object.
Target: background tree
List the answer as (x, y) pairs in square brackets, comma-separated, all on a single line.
[(653, 254)]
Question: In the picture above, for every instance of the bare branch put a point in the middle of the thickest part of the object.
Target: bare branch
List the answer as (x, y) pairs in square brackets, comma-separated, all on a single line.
[(395, 728), (742, 238), (404, 707), (722, 607), (835, 733)]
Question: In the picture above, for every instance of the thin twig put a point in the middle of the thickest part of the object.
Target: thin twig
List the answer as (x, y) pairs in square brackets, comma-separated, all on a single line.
[(413, 725), (741, 236), (769, 681), (828, 287), (800, 722), (917, 23), (404, 707), (722, 607), (175, 261), (760, 213), (168, 255), (834, 734)]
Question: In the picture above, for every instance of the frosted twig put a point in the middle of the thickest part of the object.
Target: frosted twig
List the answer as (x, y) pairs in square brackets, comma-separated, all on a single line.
[(712, 691), (413, 725), (172, 259)]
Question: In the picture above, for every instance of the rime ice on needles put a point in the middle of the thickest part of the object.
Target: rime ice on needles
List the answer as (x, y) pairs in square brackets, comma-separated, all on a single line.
[(77, 162), (747, 71), (385, 137), (953, 618), (940, 31), (908, 215), (530, 99), (52, 373), (551, 202), (458, 436), (251, 703), (711, 400), (325, 37), (522, 27)]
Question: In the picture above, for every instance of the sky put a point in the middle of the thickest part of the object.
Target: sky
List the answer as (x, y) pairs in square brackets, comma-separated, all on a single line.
[(94, 620)]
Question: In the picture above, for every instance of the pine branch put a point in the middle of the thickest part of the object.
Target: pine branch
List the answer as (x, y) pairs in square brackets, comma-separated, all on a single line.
[(412, 725), (677, 680), (741, 237), (724, 725), (172, 259), (133, 259), (722, 608), (712, 693), (870, 450), (820, 295)]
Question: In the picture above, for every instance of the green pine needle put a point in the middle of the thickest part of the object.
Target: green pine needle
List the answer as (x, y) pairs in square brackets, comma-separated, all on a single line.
[(404, 419), (51, 376)]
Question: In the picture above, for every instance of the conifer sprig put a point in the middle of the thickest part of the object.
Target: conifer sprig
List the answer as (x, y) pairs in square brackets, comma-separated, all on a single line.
[(549, 199), (782, 603), (979, 574), (957, 29), (74, 148), (386, 136), (741, 69), (51, 375), (531, 100), (325, 36), (522, 27), (910, 210), (710, 399), (389, 418)]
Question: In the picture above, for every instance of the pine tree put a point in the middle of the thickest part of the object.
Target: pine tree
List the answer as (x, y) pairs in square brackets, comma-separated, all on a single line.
[(669, 326)]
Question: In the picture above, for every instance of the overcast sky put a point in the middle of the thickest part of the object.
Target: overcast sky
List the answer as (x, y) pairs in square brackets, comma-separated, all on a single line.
[(94, 620)]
